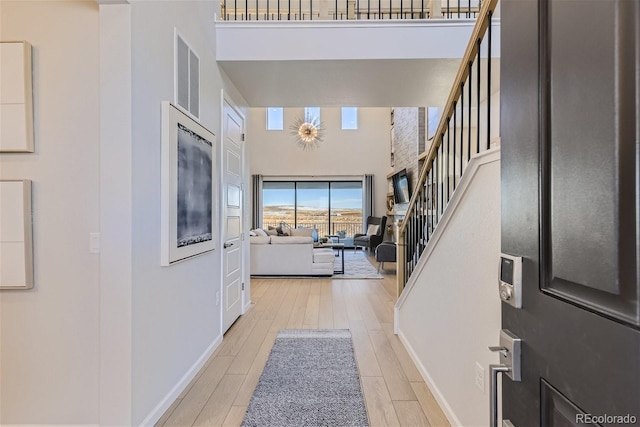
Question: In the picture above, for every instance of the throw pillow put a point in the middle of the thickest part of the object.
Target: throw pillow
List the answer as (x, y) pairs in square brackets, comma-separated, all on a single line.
[(303, 232), (282, 231), (271, 231), (260, 232), (372, 229)]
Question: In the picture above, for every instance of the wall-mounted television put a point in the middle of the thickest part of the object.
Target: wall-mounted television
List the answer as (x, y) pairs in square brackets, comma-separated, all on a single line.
[(401, 187)]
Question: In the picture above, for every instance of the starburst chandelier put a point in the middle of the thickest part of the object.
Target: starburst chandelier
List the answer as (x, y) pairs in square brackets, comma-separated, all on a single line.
[(308, 132)]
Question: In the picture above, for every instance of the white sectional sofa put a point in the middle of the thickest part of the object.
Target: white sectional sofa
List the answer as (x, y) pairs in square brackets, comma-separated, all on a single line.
[(289, 256)]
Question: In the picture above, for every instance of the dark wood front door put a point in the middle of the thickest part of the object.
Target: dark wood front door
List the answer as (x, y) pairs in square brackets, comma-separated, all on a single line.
[(570, 98)]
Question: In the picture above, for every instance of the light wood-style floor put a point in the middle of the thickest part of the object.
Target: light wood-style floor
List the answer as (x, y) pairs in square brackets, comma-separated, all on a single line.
[(395, 394)]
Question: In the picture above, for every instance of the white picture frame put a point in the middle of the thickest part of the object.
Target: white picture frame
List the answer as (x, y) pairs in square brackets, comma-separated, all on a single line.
[(188, 186), (16, 98), (16, 235)]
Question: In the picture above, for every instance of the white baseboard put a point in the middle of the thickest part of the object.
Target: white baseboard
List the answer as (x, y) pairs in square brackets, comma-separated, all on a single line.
[(173, 394), (444, 405), (246, 307), (49, 425)]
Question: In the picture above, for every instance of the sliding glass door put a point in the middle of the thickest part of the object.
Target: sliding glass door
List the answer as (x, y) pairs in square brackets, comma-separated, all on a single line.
[(332, 207), (312, 206)]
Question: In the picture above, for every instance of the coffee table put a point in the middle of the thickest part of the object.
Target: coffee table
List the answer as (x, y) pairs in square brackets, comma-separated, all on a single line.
[(340, 249)]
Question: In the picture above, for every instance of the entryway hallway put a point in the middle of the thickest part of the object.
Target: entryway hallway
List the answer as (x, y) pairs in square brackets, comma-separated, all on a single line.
[(395, 393)]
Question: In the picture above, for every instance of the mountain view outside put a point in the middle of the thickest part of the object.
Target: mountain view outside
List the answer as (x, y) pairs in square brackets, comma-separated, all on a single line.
[(330, 207)]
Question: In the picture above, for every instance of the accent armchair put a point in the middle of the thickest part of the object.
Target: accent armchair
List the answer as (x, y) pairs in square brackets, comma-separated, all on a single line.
[(373, 235), (385, 252)]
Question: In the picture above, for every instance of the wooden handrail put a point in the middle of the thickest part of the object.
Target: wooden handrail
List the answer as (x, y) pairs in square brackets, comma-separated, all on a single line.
[(479, 30), (423, 219)]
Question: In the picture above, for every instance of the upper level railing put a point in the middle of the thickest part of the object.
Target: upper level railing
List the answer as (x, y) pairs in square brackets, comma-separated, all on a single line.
[(464, 130), (305, 10)]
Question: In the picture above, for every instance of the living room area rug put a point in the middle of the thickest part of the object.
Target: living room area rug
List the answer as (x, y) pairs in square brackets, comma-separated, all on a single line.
[(310, 379), (356, 266)]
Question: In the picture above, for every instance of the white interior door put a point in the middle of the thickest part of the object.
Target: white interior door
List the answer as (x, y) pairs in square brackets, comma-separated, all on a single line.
[(232, 253)]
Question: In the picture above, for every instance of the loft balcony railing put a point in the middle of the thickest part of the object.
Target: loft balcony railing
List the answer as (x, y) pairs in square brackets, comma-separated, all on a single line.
[(464, 130), (338, 10)]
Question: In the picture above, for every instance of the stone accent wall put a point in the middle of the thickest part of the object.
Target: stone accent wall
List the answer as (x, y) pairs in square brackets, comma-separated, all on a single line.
[(408, 141)]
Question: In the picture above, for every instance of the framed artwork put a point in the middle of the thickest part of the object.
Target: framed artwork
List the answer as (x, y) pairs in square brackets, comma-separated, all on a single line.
[(16, 98), (188, 156), (16, 243)]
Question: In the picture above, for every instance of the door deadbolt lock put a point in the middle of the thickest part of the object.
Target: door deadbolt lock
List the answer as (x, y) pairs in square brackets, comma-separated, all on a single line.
[(510, 280)]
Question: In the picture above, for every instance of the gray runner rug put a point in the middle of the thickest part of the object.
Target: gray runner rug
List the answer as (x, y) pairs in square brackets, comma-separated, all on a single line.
[(310, 379)]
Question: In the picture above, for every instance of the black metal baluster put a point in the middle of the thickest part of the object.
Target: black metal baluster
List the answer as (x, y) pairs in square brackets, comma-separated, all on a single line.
[(470, 104), (478, 100), (416, 237), (441, 202), (235, 10), (447, 159), (336, 11), (461, 130), (427, 190), (421, 237), (246, 9), (448, 10), (433, 195), (423, 231), (455, 131), (489, 82)]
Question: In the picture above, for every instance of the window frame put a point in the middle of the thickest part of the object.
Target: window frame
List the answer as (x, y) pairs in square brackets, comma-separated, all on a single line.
[(344, 120), (267, 121)]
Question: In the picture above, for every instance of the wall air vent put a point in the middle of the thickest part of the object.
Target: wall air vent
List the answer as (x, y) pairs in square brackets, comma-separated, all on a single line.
[(187, 77)]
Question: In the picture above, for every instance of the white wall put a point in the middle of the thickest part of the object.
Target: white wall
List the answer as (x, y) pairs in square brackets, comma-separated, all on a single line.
[(115, 214), (342, 153), (450, 314), (105, 338), (49, 347), (322, 40), (176, 321)]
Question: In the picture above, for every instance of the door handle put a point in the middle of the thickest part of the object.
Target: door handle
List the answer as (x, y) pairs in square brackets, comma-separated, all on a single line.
[(227, 245), (509, 349), (493, 389)]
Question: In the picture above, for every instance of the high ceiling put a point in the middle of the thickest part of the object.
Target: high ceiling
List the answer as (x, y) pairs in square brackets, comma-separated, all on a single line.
[(379, 63), (362, 83)]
